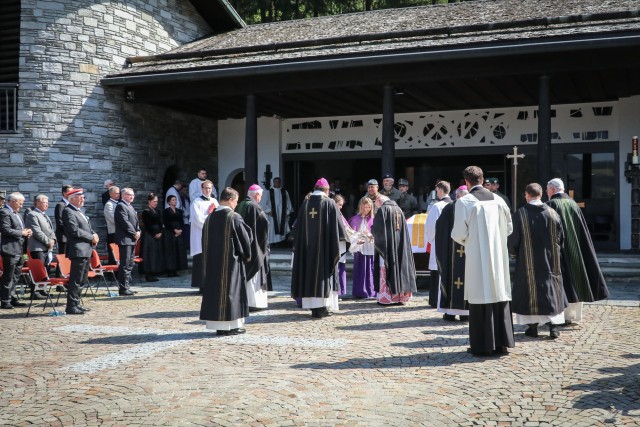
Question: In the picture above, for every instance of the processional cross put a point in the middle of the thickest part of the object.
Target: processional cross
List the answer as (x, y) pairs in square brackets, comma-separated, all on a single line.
[(515, 156)]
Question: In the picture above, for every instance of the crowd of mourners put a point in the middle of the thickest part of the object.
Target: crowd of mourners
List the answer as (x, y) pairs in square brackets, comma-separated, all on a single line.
[(464, 237)]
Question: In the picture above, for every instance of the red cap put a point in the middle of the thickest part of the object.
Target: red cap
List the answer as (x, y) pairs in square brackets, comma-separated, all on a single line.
[(75, 192)]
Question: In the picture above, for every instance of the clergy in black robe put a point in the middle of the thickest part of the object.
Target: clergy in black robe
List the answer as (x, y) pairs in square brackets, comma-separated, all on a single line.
[(258, 267), (152, 248), (537, 294), (317, 233), (394, 268), (226, 248), (581, 275), (175, 251), (450, 257)]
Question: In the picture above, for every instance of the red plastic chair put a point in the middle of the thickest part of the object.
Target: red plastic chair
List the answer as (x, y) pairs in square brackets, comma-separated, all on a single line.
[(99, 270), (64, 266), (42, 282)]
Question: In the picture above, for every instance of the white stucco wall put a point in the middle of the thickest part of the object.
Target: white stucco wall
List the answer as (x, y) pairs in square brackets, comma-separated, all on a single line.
[(629, 125), (231, 148), (342, 134)]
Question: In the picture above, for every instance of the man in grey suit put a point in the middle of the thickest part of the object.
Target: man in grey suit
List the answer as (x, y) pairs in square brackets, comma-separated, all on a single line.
[(40, 245), (127, 234), (80, 243), (13, 233), (60, 238)]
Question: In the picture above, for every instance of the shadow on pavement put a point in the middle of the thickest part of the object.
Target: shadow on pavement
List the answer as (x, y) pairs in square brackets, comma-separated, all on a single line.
[(618, 393), (422, 360)]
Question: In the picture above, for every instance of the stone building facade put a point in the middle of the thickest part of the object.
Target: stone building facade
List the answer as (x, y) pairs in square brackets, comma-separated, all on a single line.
[(70, 130)]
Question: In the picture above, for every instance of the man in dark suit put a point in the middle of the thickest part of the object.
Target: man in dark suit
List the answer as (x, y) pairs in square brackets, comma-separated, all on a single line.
[(80, 242), (127, 234), (60, 238), (40, 245), (14, 234)]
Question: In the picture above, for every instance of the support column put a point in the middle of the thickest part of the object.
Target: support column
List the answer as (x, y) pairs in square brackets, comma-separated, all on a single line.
[(251, 144), (388, 123), (544, 132)]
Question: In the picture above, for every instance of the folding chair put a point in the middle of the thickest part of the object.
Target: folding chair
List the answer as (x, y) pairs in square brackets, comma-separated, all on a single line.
[(42, 282), (64, 265), (136, 255), (98, 270)]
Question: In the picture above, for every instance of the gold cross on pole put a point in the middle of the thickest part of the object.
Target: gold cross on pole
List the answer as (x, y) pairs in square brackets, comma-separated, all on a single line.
[(458, 283), (515, 156), (461, 251), (313, 213)]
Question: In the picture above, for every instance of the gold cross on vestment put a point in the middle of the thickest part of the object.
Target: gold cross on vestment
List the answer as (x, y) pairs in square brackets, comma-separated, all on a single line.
[(313, 213), (461, 251), (458, 283)]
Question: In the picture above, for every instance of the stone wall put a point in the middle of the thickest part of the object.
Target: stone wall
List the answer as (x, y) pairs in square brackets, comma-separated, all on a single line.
[(72, 130)]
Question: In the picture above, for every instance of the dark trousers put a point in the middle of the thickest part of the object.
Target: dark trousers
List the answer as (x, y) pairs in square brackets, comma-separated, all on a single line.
[(61, 247), (42, 256), (111, 238), (10, 277), (490, 327), (126, 266), (79, 269), (434, 285)]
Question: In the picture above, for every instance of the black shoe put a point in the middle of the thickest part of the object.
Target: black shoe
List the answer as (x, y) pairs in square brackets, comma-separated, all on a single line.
[(16, 303), (222, 333), (553, 331), (74, 310), (126, 293), (38, 296), (151, 279), (237, 331), (567, 323), (464, 318), (448, 317), (6, 306), (255, 309), (479, 353), (501, 351), (532, 331), (85, 309)]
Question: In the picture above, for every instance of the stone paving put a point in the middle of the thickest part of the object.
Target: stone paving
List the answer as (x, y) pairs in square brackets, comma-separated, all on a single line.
[(147, 360)]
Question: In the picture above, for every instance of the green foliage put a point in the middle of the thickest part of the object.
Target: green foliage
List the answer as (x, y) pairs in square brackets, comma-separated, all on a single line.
[(260, 11)]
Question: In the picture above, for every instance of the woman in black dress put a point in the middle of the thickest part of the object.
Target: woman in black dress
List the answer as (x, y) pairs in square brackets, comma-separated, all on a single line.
[(175, 252), (152, 252)]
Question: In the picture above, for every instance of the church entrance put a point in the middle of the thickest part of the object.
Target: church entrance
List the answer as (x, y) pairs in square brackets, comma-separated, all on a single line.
[(588, 171)]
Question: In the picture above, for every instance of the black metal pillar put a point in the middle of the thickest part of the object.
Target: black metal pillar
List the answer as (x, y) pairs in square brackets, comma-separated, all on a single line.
[(388, 133), (251, 143), (544, 132)]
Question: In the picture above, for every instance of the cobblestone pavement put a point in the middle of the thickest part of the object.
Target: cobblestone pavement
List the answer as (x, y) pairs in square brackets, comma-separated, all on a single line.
[(147, 360)]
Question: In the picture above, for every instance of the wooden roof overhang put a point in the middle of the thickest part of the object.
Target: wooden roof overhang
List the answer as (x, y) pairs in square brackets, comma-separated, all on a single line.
[(467, 69)]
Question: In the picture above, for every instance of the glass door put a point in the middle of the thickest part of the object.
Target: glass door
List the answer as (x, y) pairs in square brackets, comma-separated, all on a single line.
[(590, 178)]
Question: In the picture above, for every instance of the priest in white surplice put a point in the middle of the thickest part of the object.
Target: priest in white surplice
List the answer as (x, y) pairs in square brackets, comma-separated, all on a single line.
[(482, 223), (201, 207), (277, 205)]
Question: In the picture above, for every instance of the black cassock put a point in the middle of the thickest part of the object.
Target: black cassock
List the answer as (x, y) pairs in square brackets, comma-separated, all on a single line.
[(582, 278), (152, 249), (253, 215), (536, 241), (450, 256), (226, 247), (392, 242), (317, 232), (175, 251)]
